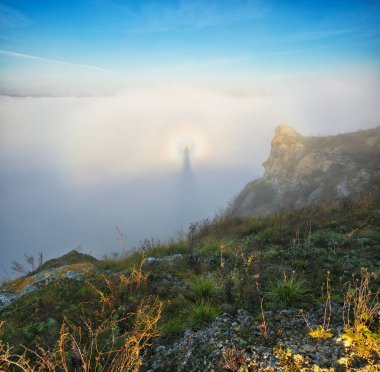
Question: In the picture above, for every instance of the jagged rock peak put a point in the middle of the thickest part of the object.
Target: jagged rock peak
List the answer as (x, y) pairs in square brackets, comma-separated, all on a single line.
[(302, 170), (285, 141), (284, 130)]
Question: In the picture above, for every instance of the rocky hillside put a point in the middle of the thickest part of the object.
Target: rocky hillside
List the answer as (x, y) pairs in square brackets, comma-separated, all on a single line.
[(295, 291), (302, 170)]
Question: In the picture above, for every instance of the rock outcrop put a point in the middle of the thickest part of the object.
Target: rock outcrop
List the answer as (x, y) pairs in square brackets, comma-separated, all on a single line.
[(15, 289), (302, 170), (230, 342), (73, 265)]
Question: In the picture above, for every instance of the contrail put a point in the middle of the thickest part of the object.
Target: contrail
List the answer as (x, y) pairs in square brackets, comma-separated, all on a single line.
[(36, 58)]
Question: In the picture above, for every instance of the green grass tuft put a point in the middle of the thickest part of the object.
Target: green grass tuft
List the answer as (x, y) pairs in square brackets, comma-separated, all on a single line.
[(202, 313), (203, 287), (289, 291)]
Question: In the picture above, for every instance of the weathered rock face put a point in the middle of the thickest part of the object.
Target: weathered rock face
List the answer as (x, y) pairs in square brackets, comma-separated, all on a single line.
[(301, 170)]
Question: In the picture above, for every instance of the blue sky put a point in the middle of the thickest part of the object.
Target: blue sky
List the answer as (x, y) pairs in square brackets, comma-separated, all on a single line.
[(181, 39)]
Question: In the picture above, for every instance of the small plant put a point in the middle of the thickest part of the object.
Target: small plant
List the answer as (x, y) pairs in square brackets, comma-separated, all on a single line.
[(289, 291), (322, 332), (228, 290), (233, 359), (173, 326), (202, 313), (263, 326), (192, 238), (203, 287), (361, 307), (301, 263), (290, 362), (136, 278), (121, 239), (109, 297), (92, 348), (149, 245), (222, 260), (33, 262)]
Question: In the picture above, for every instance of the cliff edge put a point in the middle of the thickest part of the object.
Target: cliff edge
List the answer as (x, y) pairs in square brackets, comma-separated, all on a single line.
[(302, 170)]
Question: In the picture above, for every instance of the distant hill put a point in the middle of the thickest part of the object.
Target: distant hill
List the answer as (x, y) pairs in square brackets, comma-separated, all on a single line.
[(303, 170)]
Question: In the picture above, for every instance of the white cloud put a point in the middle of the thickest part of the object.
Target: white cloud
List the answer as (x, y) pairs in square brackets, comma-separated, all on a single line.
[(134, 132), (74, 167), (9, 53)]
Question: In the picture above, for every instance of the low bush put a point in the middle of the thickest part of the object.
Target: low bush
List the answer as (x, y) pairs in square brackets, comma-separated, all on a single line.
[(288, 291), (203, 287), (202, 313), (361, 310)]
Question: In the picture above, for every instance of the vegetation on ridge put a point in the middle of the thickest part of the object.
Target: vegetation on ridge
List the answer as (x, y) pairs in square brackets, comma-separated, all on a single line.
[(253, 263)]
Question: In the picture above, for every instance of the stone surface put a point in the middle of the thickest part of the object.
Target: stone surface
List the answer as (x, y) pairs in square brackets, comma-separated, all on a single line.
[(166, 259), (15, 289), (206, 349)]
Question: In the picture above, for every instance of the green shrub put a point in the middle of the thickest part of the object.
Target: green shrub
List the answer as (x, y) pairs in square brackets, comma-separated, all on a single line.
[(173, 326), (288, 291), (121, 263), (363, 242), (329, 239), (209, 246), (301, 263), (202, 313), (180, 247), (271, 252), (203, 287), (333, 224)]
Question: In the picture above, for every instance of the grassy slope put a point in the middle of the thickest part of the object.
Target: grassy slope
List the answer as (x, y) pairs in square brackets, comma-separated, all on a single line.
[(228, 263)]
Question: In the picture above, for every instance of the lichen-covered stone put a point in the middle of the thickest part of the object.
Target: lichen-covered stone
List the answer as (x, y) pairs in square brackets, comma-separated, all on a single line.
[(204, 349), (17, 288)]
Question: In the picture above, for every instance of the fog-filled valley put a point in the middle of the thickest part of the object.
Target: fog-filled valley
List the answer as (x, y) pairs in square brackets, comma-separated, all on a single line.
[(74, 168)]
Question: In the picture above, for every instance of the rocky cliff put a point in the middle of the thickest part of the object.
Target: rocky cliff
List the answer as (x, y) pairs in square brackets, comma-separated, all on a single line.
[(302, 170)]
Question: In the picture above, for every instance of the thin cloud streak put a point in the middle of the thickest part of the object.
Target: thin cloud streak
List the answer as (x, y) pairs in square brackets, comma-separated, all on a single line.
[(9, 53), (358, 34), (319, 35), (290, 51), (199, 66)]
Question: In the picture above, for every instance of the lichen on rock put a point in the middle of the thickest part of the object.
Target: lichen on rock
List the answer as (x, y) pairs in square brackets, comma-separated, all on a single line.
[(17, 288)]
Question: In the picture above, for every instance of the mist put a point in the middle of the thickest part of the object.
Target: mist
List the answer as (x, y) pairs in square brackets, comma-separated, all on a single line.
[(75, 167)]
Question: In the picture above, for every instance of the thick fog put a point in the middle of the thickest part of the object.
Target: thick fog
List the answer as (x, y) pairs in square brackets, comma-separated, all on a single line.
[(151, 158)]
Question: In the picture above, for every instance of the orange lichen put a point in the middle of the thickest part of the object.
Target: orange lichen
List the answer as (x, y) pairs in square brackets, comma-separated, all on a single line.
[(83, 268), (18, 285)]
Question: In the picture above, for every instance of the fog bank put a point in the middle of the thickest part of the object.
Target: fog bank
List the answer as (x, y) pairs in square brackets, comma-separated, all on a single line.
[(73, 168)]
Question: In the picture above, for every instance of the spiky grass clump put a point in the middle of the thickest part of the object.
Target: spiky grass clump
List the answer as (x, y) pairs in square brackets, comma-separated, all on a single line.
[(202, 313), (289, 291), (203, 287)]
